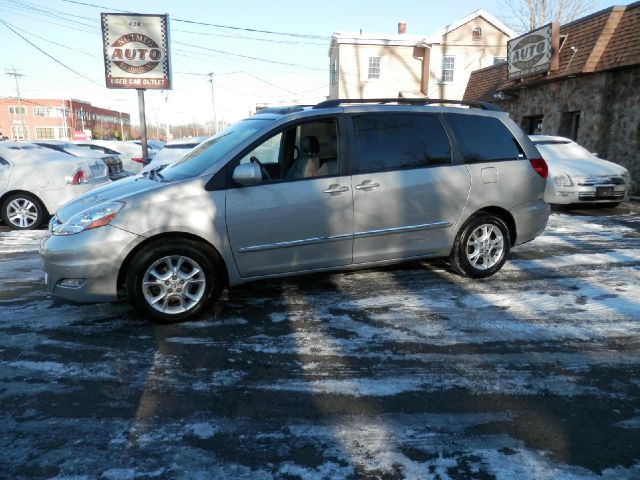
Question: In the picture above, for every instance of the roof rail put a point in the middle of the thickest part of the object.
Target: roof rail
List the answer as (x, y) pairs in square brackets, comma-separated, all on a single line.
[(283, 110), (411, 101)]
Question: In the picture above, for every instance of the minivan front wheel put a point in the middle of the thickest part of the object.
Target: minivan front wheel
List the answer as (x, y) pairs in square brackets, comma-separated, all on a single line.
[(173, 280), (481, 247)]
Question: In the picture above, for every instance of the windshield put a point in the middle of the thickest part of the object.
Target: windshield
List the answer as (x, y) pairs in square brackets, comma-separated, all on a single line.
[(563, 150), (210, 151)]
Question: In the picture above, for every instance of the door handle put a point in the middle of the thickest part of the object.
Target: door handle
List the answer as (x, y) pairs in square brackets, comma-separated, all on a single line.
[(335, 189), (367, 185)]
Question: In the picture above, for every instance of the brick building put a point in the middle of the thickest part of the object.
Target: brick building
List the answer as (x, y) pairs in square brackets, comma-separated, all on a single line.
[(40, 119), (592, 97)]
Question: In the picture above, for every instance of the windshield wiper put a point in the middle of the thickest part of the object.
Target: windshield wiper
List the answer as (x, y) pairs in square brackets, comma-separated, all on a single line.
[(155, 173)]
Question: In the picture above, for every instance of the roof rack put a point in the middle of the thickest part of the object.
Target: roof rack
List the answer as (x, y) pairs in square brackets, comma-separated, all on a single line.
[(411, 101), (283, 110)]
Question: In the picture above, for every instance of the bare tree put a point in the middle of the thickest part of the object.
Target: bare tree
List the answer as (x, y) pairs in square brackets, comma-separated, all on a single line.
[(526, 15)]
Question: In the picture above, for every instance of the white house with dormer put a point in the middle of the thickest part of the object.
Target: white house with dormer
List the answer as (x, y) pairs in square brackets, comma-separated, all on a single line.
[(366, 65)]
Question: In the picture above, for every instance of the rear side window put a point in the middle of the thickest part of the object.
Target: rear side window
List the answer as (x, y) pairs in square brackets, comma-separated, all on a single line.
[(483, 139), (394, 142)]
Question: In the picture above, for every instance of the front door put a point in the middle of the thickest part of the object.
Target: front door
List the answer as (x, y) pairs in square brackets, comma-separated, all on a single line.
[(300, 217)]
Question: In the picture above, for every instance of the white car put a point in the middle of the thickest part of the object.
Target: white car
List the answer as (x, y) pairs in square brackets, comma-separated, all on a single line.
[(579, 176), (116, 170), (172, 151), (129, 152), (36, 181)]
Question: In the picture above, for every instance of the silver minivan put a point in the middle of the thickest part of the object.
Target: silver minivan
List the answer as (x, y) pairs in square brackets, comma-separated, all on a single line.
[(344, 184)]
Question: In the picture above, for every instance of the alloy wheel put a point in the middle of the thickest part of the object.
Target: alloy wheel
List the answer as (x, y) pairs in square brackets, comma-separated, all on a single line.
[(22, 212), (173, 284), (485, 246)]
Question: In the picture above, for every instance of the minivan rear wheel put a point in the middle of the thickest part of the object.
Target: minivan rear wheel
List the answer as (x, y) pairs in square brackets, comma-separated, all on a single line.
[(481, 247), (173, 280)]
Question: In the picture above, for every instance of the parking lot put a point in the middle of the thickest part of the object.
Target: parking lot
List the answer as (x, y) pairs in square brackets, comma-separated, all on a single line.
[(400, 372)]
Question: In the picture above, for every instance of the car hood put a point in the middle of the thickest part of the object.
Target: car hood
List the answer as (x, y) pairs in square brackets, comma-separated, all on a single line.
[(584, 167), (120, 190)]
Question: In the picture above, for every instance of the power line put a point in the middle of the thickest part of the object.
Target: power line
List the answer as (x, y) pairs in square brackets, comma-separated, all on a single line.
[(56, 43), (247, 56), (194, 22), (50, 56)]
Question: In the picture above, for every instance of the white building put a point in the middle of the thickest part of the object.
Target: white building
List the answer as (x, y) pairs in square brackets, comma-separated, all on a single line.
[(365, 65)]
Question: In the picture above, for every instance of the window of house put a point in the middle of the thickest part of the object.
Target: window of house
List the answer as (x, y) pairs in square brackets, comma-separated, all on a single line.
[(45, 133), (17, 110), (20, 133), (399, 141), (374, 67), (569, 125), (532, 125), (64, 132), (476, 34), (44, 112), (483, 139), (448, 67), (334, 72), (497, 60)]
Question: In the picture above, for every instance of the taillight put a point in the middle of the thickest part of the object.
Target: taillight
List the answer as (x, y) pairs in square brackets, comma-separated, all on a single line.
[(78, 177), (138, 159), (540, 166)]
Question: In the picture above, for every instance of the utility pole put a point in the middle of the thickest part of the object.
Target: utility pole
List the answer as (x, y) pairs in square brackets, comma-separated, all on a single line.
[(166, 107), (14, 73), (64, 120), (213, 104)]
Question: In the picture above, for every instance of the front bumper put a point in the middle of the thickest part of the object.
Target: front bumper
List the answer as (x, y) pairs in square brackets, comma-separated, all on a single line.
[(93, 255), (602, 193)]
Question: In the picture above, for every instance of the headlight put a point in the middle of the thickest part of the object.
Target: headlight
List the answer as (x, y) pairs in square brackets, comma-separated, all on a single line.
[(627, 176), (563, 180), (98, 216)]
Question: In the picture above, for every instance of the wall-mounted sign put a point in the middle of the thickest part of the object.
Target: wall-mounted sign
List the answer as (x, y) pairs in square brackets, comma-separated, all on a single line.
[(136, 51), (535, 52)]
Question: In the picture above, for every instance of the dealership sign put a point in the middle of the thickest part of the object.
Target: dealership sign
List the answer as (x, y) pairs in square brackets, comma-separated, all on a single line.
[(136, 51), (535, 52)]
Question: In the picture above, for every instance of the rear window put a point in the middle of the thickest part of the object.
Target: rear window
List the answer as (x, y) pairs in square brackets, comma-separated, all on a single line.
[(562, 150), (399, 141), (483, 139)]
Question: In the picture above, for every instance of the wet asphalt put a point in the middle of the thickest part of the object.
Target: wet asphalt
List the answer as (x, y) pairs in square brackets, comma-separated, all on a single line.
[(406, 371)]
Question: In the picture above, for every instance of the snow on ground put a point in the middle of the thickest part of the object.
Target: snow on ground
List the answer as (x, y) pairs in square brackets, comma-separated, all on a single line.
[(398, 372)]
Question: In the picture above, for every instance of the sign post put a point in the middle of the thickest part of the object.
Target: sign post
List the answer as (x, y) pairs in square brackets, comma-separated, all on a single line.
[(136, 56)]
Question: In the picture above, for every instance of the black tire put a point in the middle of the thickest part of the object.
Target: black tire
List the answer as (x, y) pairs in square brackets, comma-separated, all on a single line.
[(463, 249), (35, 211), (192, 253)]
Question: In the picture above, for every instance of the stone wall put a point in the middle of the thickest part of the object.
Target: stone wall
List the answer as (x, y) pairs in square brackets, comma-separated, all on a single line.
[(609, 106)]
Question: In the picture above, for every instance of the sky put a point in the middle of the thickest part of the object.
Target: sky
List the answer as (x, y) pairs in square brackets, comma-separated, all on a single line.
[(284, 68)]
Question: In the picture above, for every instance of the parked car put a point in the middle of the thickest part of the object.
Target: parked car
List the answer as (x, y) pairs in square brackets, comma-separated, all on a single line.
[(344, 184), (129, 152), (578, 176), (172, 151), (35, 181), (111, 159)]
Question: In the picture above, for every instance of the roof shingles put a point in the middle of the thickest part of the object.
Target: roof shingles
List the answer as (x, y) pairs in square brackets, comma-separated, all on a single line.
[(605, 40)]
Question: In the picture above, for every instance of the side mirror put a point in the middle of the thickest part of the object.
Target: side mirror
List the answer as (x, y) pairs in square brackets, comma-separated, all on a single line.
[(247, 174)]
